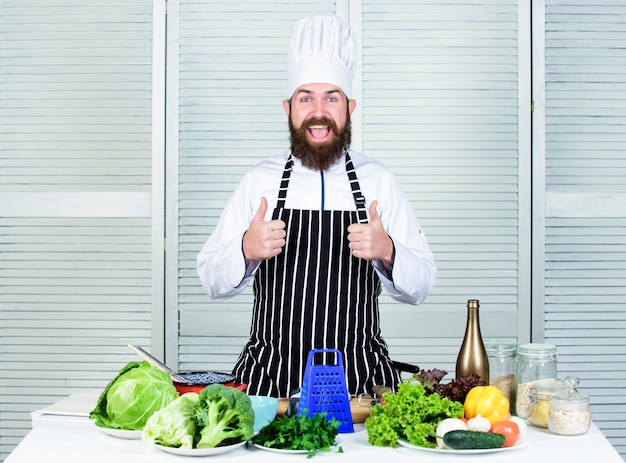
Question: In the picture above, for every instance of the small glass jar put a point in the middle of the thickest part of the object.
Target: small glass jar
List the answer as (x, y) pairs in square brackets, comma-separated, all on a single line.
[(502, 367), (539, 406), (569, 413), (535, 363)]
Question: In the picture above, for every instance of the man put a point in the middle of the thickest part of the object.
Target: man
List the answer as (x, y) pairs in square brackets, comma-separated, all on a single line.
[(318, 229)]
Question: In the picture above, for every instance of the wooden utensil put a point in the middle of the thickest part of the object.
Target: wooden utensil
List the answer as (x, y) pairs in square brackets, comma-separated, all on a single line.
[(359, 412)]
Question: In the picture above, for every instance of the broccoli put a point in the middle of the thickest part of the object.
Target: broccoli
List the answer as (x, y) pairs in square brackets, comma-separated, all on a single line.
[(224, 416)]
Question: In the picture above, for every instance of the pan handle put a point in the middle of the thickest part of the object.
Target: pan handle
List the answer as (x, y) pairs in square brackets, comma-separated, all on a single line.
[(401, 366), (153, 360)]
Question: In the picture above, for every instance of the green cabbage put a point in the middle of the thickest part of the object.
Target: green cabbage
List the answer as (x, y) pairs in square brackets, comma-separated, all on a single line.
[(138, 390), (173, 425)]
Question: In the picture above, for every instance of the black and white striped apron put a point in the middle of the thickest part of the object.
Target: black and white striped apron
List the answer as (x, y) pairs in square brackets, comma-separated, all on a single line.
[(315, 295)]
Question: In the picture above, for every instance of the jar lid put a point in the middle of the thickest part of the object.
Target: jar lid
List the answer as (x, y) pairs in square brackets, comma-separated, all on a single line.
[(536, 349), (500, 348), (569, 393)]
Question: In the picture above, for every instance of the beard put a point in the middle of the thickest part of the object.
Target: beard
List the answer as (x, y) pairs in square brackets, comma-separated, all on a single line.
[(320, 156)]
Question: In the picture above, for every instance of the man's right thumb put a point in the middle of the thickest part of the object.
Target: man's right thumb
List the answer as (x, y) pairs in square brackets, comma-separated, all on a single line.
[(260, 213)]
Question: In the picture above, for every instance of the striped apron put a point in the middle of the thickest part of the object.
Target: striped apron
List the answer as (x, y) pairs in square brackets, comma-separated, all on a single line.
[(315, 295)]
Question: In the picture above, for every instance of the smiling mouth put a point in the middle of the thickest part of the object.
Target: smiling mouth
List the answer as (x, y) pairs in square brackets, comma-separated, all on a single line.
[(319, 132)]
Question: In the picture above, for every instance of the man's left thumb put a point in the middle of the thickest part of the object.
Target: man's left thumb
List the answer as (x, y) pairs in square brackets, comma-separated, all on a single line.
[(374, 212)]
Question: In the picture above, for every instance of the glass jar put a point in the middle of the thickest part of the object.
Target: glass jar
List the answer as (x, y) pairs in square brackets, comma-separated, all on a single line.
[(569, 413), (535, 363), (502, 367), (539, 403)]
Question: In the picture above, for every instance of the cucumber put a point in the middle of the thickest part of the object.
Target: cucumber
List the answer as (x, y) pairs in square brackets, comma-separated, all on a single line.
[(472, 440)]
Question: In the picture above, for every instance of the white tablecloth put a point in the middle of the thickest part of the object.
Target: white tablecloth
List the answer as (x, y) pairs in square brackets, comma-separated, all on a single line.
[(61, 436)]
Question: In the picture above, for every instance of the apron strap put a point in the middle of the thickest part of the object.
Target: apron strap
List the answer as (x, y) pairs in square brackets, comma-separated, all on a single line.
[(359, 199), (284, 183)]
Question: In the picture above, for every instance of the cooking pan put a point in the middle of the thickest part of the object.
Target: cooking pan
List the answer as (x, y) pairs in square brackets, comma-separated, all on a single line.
[(195, 381), (190, 381)]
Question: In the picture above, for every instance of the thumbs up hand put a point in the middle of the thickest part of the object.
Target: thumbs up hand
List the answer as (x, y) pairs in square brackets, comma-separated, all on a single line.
[(263, 240), (370, 240)]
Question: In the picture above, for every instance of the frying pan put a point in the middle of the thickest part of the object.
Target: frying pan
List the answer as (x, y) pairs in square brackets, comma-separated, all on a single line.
[(198, 380), (189, 381)]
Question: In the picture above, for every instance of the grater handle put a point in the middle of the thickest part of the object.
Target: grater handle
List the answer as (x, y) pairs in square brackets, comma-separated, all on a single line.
[(313, 352)]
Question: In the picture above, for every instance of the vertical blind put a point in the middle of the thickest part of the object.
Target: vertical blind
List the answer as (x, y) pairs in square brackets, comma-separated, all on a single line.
[(585, 251), (441, 109), (75, 198)]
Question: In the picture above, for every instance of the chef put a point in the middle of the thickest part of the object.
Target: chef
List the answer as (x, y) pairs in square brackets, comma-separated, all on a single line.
[(318, 230)]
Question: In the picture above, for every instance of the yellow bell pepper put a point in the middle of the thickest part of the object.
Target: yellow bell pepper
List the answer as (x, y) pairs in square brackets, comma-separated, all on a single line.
[(488, 402)]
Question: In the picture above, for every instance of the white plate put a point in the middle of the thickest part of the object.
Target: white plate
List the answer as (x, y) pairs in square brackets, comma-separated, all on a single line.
[(270, 449), (121, 433), (199, 452), (518, 445)]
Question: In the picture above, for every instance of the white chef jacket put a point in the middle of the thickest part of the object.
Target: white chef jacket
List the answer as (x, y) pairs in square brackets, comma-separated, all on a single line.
[(221, 264)]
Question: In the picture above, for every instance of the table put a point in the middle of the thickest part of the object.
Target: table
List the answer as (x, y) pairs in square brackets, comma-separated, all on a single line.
[(63, 433)]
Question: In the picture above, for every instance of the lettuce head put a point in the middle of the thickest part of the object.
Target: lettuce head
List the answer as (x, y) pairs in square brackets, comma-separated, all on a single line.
[(173, 426), (138, 390)]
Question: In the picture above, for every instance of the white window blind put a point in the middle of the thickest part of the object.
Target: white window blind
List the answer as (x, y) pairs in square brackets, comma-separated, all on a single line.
[(75, 199), (441, 107), (585, 253)]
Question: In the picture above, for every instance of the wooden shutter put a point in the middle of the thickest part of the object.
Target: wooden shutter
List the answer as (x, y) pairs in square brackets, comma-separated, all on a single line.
[(585, 165), (445, 105), (75, 199)]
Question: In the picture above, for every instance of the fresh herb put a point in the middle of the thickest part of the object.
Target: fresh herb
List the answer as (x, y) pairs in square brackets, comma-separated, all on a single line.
[(300, 432)]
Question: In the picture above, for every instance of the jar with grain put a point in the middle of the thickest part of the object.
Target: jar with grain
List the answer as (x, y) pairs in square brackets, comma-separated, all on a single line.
[(502, 367), (539, 403), (569, 413), (535, 363)]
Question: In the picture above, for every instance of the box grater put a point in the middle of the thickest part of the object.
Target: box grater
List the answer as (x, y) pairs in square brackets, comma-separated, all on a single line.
[(324, 389)]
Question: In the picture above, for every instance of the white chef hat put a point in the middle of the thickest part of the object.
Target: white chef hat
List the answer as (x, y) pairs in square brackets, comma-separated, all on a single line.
[(322, 49)]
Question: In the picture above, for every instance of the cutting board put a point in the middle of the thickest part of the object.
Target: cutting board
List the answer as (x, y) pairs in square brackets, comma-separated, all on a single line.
[(359, 412)]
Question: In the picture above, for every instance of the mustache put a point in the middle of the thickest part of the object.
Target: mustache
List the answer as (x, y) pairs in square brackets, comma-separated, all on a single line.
[(319, 121)]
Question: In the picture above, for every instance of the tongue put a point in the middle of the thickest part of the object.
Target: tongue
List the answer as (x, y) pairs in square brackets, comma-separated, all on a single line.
[(319, 134)]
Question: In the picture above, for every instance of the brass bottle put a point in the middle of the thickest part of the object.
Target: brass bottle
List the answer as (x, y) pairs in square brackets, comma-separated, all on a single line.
[(472, 356)]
